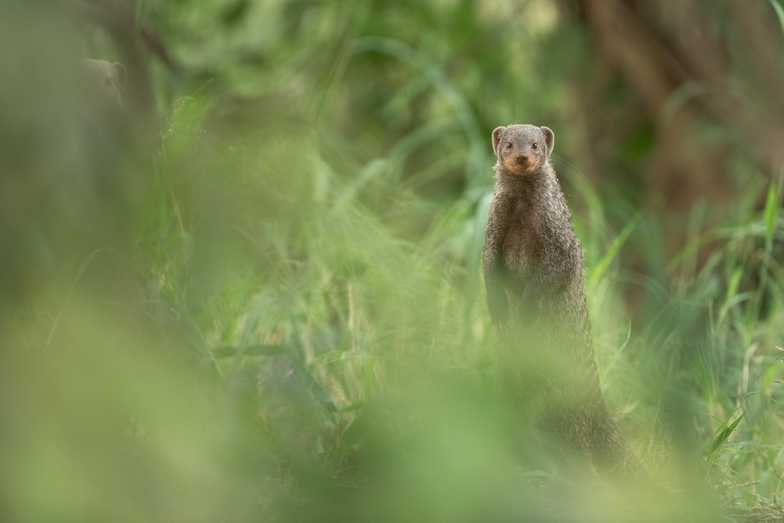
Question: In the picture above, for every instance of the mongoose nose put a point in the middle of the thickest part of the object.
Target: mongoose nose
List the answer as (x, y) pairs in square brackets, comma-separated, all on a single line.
[(522, 159)]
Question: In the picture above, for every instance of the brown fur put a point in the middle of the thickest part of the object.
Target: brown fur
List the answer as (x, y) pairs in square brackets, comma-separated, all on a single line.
[(533, 267)]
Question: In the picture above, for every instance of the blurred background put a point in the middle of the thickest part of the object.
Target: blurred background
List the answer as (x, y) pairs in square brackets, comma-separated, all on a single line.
[(240, 273)]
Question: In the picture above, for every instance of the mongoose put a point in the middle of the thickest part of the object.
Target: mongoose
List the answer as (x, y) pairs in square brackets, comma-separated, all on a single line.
[(533, 266)]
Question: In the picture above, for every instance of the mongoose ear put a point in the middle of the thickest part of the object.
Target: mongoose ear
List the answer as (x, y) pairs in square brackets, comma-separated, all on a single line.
[(496, 136), (549, 139)]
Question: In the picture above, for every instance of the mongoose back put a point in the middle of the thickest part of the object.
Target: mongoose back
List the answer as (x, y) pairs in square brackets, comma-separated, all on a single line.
[(533, 266)]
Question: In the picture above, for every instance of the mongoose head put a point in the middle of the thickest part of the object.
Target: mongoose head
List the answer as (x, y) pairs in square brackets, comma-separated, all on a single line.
[(523, 149)]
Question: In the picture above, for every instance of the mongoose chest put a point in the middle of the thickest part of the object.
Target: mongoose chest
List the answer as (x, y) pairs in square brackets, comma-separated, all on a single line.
[(522, 246)]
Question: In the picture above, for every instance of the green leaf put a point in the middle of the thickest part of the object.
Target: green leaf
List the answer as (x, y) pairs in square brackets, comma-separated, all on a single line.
[(721, 437)]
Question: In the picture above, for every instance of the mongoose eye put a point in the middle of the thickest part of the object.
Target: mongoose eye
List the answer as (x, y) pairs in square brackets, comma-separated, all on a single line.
[(509, 145), (534, 146)]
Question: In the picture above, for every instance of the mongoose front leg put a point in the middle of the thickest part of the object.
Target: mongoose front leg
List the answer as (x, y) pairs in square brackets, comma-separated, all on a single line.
[(492, 257)]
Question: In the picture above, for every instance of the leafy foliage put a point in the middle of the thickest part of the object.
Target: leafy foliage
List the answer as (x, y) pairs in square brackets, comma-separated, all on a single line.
[(266, 304)]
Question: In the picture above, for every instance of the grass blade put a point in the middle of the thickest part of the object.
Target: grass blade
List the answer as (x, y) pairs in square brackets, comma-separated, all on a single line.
[(732, 292), (779, 12), (771, 215), (723, 435), (615, 248)]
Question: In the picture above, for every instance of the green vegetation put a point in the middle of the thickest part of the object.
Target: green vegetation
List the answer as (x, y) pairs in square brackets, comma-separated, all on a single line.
[(258, 297)]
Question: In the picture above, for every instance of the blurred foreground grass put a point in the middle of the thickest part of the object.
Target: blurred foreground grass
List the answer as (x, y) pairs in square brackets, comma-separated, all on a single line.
[(249, 321)]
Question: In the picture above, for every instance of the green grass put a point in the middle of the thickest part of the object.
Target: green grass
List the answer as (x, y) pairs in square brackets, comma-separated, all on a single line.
[(276, 313), (337, 325)]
